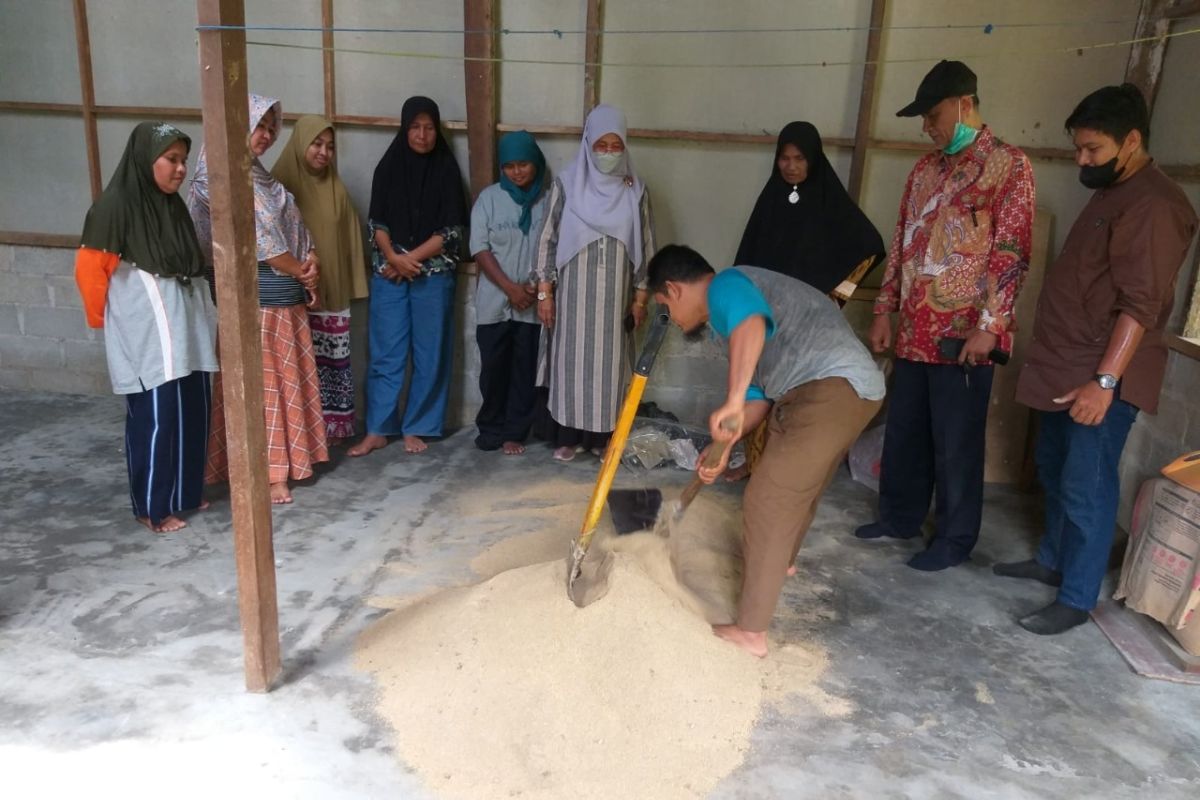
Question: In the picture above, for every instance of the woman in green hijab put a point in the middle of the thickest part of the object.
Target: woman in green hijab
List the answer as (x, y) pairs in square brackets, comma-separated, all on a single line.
[(141, 275), (308, 169), (504, 225)]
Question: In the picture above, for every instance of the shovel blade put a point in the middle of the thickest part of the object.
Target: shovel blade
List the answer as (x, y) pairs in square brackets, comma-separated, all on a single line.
[(587, 574)]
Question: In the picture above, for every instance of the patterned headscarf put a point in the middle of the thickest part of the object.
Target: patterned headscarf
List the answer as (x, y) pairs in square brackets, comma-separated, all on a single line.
[(278, 226)]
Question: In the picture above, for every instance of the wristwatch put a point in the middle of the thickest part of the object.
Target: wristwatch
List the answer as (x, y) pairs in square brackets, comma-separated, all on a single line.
[(543, 296), (1106, 381)]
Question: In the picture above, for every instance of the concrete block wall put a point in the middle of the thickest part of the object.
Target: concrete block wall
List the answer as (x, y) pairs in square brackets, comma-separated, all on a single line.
[(45, 344)]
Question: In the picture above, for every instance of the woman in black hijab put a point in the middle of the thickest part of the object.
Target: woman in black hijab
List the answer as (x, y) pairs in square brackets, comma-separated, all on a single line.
[(805, 224), (418, 213)]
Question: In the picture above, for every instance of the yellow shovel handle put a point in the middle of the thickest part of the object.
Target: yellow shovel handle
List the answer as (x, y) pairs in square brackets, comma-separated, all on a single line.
[(612, 457)]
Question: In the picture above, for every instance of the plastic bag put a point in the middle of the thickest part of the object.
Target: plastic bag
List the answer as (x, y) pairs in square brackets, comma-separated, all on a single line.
[(656, 442), (866, 454), (647, 447)]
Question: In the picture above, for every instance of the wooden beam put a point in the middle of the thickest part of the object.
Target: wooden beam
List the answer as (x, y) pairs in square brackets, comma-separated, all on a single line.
[(223, 89), (1144, 67), (327, 59), (866, 100), (1178, 9), (30, 239), (1182, 172), (591, 55), (479, 42), (74, 109), (1191, 322), (87, 94)]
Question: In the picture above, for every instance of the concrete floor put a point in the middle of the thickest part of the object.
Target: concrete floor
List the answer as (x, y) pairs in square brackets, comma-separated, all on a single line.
[(121, 672)]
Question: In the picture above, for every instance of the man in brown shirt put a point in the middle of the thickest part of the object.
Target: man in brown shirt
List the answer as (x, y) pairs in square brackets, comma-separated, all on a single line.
[(1098, 356)]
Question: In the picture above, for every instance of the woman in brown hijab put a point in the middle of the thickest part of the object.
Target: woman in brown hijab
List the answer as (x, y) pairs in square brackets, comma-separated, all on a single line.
[(308, 169)]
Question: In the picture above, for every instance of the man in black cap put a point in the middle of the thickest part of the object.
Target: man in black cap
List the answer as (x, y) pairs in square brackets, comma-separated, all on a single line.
[(958, 257)]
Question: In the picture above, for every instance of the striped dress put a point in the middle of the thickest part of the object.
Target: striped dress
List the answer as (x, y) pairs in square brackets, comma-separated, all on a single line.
[(588, 360)]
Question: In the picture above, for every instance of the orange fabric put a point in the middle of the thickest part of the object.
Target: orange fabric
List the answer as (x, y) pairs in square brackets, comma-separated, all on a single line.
[(93, 268)]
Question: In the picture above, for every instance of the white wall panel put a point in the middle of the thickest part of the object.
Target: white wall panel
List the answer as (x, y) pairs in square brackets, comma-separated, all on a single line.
[(37, 51), (43, 174), (378, 85)]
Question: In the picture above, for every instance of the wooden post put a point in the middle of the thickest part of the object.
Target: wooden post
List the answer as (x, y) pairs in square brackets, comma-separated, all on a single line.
[(87, 96), (591, 55), (866, 100), (479, 41), (223, 86), (1144, 67), (327, 59)]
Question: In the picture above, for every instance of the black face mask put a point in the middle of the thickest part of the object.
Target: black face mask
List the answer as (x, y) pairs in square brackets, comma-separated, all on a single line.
[(1101, 176)]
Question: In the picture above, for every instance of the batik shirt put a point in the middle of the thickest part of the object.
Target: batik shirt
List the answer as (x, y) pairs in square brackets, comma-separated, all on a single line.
[(960, 251)]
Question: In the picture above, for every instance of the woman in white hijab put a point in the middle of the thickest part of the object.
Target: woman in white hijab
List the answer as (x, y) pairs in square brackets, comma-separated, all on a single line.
[(590, 266)]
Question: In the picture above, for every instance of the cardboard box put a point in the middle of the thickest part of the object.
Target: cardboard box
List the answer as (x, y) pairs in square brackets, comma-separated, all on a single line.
[(1161, 575)]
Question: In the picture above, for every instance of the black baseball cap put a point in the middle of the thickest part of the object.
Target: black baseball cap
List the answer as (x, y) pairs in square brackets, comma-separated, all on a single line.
[(946, 79)]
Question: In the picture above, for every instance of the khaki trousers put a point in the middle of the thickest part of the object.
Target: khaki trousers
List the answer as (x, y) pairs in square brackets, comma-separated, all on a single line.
[(810, 429)]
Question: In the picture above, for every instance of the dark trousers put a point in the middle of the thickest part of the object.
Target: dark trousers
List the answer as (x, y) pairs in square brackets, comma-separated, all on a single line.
[(936, 426), (1077, 466), (166, 444), (508, 353)]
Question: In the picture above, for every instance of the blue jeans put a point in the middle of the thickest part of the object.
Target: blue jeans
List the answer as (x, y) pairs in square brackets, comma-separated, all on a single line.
[(1077, 466), (410, 318)]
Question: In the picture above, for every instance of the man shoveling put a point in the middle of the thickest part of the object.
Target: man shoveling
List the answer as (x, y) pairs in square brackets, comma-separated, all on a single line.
[(792, 356)]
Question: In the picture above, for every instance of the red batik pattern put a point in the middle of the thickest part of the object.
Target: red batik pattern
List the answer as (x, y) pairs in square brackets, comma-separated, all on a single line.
[(961, 247)]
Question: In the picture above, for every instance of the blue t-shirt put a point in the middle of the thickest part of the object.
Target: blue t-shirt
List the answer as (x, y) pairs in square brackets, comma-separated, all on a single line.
[(732, 299), (807, 338)]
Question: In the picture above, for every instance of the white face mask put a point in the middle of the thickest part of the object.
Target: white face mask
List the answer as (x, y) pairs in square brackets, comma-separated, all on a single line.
[(608, 163)]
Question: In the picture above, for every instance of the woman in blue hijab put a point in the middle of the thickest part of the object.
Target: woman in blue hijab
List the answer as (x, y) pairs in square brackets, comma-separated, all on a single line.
[(504, 225)]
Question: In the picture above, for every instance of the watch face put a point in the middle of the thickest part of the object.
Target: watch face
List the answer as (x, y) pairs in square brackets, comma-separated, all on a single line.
[(1106, 381)]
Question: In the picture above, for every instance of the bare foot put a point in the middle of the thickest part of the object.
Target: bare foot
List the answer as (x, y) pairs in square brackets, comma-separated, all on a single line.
[(753, 643), (280, 495), (513, 448), (372, 441), (168, 525), (414, 444), (204, 504), (791, 573), (564, 454)]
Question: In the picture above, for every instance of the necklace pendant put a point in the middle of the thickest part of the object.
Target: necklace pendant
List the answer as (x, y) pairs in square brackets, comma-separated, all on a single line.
[(794, 197)]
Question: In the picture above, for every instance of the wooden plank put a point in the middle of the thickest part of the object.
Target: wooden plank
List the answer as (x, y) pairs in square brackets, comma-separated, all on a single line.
[(479, 44), (866, 100), (327, 59), (223, 85), (32, 239), (591, 55), (1145, 644), (41, 108), (1181, 172), (1144, 67), (87, 93), (1178, 9), (1185, 345)]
